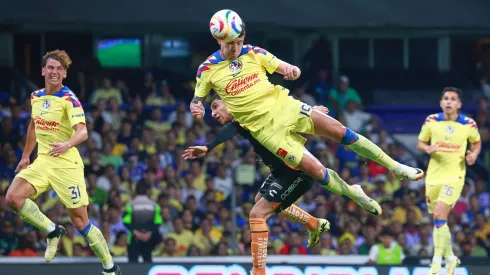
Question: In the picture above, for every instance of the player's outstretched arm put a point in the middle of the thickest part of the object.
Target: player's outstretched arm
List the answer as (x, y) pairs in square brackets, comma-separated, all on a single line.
[(80, 135), (290, 72), (227, 132), (29, 147)]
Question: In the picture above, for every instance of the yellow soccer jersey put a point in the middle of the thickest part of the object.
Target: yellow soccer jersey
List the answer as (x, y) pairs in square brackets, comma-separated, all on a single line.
[(451, 138), (54, 117), (243, 85)]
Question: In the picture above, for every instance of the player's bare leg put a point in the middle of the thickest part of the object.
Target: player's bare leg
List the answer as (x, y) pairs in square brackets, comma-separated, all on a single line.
[(331, 181), (327, 126), (261, 211), (442, 241), (316, 226), (18, 199), (95, 239)]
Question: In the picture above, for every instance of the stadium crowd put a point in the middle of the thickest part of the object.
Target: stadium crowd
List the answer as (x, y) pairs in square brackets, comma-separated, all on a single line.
[(141, 139)]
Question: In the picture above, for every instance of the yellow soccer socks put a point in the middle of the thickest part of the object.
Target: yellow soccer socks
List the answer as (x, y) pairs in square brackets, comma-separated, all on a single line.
[(367, 149), (98, 245), (31, 213), (332, 182)]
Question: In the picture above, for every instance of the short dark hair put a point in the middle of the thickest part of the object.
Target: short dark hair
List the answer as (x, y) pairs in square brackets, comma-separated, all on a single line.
[(142, 188), (214, 97), (452, 89)]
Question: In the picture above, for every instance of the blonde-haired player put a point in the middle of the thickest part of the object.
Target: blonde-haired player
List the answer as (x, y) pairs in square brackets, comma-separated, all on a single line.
[(444, 136), (238, 74), (57, 125)]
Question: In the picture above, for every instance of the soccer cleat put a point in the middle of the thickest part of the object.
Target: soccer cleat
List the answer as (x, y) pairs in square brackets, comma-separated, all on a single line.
[(451, 265), (435, 269), (115, 270), (366, 202), (52, 243), (314, 235), (402, 171)]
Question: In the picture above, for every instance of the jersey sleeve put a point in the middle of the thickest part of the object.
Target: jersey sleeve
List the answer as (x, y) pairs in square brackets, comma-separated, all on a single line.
[(425, 132), (227, 132), (203, 83), (266, 59), (473, 135), (74, 110)]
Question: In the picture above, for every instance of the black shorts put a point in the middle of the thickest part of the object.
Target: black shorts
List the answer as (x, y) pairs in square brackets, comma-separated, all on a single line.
[(285, 188)]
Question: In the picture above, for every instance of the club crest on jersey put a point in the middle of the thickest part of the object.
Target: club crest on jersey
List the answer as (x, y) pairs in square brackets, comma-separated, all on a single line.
[(449, 132), (46, 105), (235, 66)]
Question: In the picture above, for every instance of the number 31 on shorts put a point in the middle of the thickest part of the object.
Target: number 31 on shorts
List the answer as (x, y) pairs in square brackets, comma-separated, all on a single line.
[(75, 191)]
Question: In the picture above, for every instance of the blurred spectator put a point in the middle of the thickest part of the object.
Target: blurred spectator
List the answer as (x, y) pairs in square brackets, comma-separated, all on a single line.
[(106, 92), (181, 237), (120, 247), (343, 94), (25, 249), (181, 115), (9, 241), (293, 245), (356, 119), (70, 239), (322, 87), (161, 96), (149, 86), (300, 94), (469, 217), (388, 252)]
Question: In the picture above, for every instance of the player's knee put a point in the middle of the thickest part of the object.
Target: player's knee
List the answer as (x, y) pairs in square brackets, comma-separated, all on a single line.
[(10, 201), (79, 224), (313, 167), (258, 197), (258, 212), (79, 217), (439, 215), (349, 137), (14, 201)]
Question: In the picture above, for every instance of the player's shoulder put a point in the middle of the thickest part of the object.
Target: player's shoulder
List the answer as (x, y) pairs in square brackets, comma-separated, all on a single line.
[(213, 59), (432, 118), (38, 93), (68, 95), (466, 120), (250, 49)]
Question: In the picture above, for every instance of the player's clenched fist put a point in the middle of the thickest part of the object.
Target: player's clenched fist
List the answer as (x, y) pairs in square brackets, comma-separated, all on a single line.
[(292, 73), (470, 157), (197, 110)]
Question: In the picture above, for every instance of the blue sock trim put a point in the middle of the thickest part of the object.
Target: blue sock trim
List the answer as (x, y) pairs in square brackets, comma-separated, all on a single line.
[(84, 231), (349, 137), (326, 179), (439, 223)]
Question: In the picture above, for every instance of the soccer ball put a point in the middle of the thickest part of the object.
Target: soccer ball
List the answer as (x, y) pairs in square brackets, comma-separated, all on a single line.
[(226, 25)]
